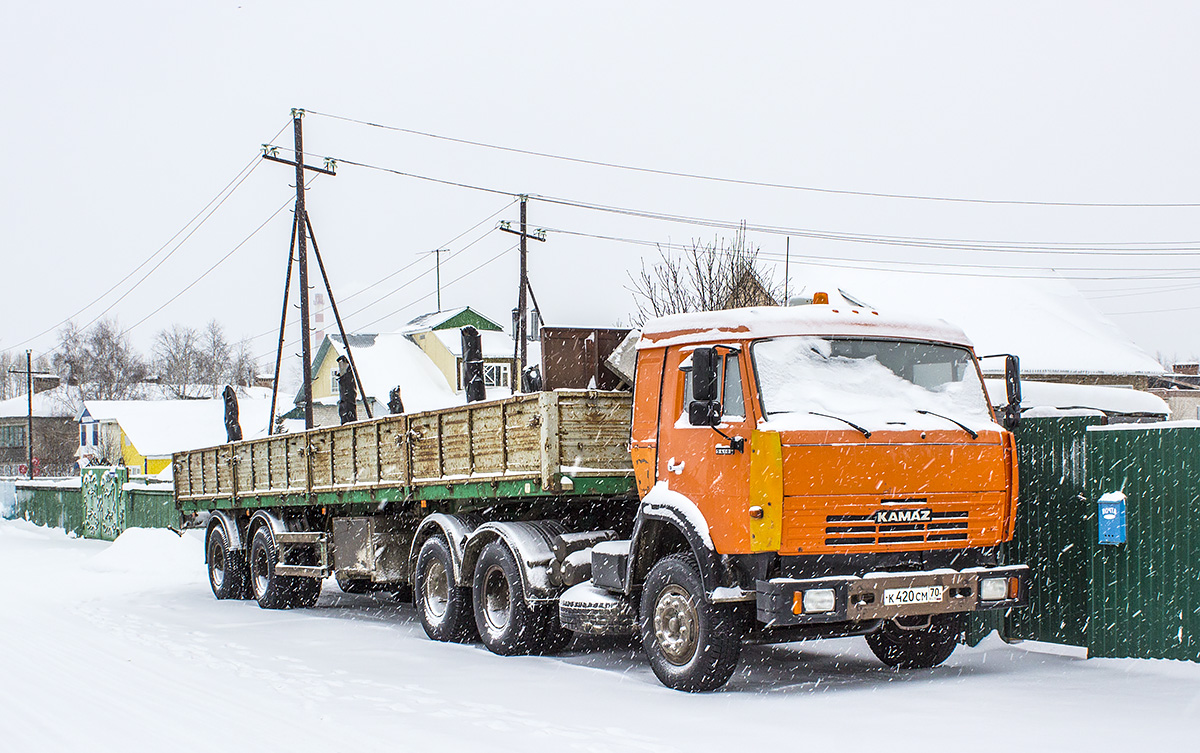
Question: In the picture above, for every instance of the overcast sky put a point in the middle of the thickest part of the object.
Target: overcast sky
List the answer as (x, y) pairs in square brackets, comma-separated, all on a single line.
[(122, 120)]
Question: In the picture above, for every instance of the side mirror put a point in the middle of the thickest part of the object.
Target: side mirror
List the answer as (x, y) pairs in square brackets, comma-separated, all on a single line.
[(1012, 387), (704, 374), (705, 413)]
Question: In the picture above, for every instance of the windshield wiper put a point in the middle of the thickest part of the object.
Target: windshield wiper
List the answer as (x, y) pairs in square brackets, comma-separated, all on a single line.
[(866, 434), (974, 434)]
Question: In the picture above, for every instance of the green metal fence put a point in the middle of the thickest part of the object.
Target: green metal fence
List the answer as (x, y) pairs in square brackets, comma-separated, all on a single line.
[(1145, 594), (57, 503), (1052, 535), (101, 504)]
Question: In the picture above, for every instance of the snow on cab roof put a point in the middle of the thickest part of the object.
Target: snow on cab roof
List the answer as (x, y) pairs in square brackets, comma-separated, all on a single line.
[(821, 320)]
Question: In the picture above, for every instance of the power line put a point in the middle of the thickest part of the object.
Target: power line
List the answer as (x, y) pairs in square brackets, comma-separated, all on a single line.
[(1162, 248), (220, 261), (824, 259), (887, 240), (745, 182), (237, 179), (444, 245), (408, 266), (456, 279), (415, 301)]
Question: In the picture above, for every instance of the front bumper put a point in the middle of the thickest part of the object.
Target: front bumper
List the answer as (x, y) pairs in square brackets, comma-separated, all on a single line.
[(862, 598)]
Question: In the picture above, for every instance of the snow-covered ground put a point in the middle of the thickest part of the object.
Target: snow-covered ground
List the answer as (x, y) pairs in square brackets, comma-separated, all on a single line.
[(121, 647)]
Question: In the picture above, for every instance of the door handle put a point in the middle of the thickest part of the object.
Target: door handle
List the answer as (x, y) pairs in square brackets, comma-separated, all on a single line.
[(676, 469)]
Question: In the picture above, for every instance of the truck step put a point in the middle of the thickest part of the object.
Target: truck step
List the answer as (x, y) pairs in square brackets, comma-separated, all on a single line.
[(594, 611), (300, 537), (305, 571)]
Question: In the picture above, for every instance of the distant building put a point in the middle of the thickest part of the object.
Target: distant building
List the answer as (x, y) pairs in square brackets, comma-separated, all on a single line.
[(424, 359), (54, 435), (1181, 389), (1057, 333), (143, 434)]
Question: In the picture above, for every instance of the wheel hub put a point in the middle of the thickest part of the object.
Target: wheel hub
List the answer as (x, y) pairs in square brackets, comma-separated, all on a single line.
[(216, 560), (497, 598), (436, 590), (676, 625), (261, 567)]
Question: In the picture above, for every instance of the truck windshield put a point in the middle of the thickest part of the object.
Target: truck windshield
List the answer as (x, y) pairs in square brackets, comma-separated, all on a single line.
[(878, 383)]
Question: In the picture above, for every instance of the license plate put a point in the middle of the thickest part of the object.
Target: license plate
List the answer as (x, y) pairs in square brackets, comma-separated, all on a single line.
[(898, 597)]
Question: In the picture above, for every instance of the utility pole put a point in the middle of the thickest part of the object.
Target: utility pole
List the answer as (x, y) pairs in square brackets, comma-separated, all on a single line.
[(520, 347), (787, 258), (437, 265), (29, 395), (302, 256)]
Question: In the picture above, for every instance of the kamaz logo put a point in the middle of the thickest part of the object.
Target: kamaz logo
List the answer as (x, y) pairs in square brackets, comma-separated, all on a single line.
[(904, 516)]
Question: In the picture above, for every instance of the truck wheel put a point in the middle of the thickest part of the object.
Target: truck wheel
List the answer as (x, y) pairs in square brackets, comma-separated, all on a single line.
[(692, 645), (918, 649), (445, 608), (507, 625), (555, 638), (228, 573), (277, 591)]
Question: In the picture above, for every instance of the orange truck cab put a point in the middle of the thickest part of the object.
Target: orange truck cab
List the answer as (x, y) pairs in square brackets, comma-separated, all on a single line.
[(811, 471)]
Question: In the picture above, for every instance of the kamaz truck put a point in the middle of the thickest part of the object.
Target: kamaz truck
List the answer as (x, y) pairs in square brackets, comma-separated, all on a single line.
[(773, 475)]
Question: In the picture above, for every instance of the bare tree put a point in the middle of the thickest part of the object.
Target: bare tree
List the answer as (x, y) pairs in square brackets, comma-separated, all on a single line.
[(243, 368), (7, 387), (101, 362), (706, 277), (177, 360), (215, 360)]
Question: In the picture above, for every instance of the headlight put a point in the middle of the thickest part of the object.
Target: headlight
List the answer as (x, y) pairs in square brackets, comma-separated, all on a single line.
[(819, 600), (993, 589)]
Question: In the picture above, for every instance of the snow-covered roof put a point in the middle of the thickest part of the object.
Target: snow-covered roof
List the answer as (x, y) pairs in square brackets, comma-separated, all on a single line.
[(1047, 322), (160, 427), (393, 360), (842, 319), (59, 402), (449, 319), (495, 344), (1036, 396)]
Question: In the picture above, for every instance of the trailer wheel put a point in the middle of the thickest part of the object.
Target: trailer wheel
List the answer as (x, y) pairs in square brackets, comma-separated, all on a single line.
[(918, 649), (228, 573), (507, 624), (275, 591), (445, 608), (692, 645)]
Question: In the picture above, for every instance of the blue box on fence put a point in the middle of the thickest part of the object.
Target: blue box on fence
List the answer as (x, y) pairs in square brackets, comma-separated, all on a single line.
[(1112, 518)]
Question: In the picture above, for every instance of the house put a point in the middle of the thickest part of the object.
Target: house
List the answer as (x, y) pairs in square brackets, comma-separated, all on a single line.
[(439, 335), (384, 361), (1057, 333), (143, 434), (424, 359), (1181, 389), (54, 433)]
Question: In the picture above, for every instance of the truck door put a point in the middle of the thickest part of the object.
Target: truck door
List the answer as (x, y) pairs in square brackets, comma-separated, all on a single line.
[(697, 461)]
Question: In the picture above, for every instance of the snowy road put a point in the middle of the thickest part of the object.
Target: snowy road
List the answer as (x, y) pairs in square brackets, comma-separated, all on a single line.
[(121, 647)]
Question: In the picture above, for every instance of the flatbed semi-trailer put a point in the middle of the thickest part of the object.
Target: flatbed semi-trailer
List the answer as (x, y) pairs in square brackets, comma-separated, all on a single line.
[(775, 475)]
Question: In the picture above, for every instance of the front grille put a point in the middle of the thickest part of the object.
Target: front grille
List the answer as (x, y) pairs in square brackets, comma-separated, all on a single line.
[(862, 530)]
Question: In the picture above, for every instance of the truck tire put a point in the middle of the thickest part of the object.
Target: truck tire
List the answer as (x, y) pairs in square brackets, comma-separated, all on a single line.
[(692, 645), (228, 573), (917, 649), (507, 625), (555, 638), (277, 591), (445, 608)]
